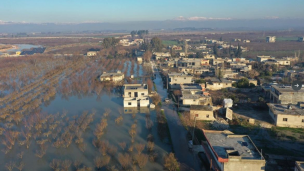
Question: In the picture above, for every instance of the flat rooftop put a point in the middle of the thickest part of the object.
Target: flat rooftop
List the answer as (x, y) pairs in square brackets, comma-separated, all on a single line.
[(111, 74), (135, 86), (300, 164), (283, 109), (240, 143), (283, 88), (191, 87)]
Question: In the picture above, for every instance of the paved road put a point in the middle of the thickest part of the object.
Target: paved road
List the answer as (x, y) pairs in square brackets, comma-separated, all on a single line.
[(189, 160)]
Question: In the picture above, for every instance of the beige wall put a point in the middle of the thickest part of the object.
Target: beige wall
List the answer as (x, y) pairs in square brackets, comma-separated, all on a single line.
[(244, 165), (218, 86), (202, 115), (294, 121)]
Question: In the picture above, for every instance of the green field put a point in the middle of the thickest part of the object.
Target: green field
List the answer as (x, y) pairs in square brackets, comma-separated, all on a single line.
[(170, 42)]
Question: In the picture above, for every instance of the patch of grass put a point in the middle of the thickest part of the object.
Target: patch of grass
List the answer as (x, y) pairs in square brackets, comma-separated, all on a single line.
[(293, 130), (155, 88), (170, 42)]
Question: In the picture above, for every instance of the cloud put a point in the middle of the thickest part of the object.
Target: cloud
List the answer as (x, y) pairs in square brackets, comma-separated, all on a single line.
[(196, 18)]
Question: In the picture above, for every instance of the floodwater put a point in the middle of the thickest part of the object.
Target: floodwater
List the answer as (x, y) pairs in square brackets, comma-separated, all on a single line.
[(20, 47), (75, 105)]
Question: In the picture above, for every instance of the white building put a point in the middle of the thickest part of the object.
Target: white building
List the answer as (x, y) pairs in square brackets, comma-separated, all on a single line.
[(112, 76), (136, 95), (270, 39)]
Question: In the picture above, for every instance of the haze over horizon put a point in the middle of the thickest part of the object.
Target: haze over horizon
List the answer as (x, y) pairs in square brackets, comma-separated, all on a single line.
[(57, 15)]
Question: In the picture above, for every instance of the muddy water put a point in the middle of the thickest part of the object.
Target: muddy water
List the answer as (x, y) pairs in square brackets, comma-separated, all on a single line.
[(114, 134)]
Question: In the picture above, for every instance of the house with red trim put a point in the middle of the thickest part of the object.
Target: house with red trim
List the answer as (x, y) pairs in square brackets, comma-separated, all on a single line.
[(229, 152)]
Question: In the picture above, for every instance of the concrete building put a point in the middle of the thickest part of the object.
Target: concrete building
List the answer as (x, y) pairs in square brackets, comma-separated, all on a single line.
[(229, 152), (192, 62), (201, 112), (161, 55), (112, 76), (283, 62), (300, 39), (270, 39), (237, 40), (217, 84), (209, 56), (287, 115), (299, 166), (246, 41), (193, 97), (175, 79), (174, 47), (285, 95), (218, 61), (136, 95), (139, 59), (263, 58), (91, 53)]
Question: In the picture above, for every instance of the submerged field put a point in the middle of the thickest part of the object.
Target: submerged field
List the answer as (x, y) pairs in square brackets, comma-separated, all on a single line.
[(63, 118)]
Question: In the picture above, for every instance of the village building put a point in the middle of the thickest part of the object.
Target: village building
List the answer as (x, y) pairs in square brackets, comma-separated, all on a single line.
[(112, 76), (161, 55), (264, 58), (285, 95), (176, 79), (229, 152), (300, 39), (217, 84), (136, 95), (299, 166), (201, 112), (287, 115), (92, 53), (270, 39)]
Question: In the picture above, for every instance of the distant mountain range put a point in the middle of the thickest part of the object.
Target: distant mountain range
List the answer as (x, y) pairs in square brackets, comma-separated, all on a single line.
[(172, 25)]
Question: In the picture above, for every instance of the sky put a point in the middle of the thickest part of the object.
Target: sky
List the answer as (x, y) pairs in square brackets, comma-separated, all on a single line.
[(83, 11)]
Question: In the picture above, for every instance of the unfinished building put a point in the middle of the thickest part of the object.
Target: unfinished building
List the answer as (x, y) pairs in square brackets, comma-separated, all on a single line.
[(229, 152)]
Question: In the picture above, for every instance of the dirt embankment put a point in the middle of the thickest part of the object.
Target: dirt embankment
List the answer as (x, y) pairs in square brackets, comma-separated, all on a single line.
[(4, 48)]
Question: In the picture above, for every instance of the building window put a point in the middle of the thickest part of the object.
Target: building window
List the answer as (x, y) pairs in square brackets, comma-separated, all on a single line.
[(285, 119), (142, 93), (129, 103), (302, 120), (207, 116), (185, 78)]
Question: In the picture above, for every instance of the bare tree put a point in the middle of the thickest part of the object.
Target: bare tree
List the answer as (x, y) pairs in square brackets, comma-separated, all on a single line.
[(124, 160), (150, 146), (66, 164), (171, 164), (123, 145), (139, 147)]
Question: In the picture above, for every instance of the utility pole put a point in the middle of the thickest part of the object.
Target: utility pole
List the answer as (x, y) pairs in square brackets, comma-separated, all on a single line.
[(196, 115)]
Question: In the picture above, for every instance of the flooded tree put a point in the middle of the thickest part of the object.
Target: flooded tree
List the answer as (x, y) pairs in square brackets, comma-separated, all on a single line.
[(124, 160), (66, 164), (96, 143), (170, 163), (20, 166), (10, 166), (123, 145), (112, 150), (150, 146), (142, 160), (104, 147), (139, 147), (153, 156), (118, 120)]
